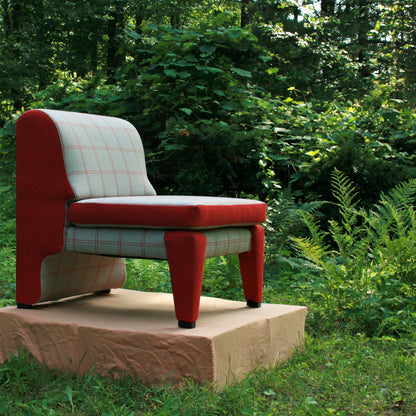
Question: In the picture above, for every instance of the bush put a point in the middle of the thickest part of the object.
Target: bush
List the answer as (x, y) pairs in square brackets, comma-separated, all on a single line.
[(191, 97), (364, 266), (371, 141)]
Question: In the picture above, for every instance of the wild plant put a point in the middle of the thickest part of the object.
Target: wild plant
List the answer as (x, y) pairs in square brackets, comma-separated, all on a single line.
[(363, 267), (284, 219)]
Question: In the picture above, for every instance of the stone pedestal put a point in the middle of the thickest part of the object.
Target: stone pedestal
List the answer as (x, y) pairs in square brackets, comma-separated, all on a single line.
[(136, 333)]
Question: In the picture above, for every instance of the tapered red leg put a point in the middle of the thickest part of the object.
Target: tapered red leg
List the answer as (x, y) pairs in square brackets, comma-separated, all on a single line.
[(251, 267), (186, 257)]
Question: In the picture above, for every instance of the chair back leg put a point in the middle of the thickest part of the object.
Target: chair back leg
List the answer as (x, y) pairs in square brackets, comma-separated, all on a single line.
[(251, 268)]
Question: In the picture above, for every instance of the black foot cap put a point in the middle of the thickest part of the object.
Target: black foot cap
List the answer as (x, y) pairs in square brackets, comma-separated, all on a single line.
[(187, 325), (24, 306), (104, 292), (252, 304)]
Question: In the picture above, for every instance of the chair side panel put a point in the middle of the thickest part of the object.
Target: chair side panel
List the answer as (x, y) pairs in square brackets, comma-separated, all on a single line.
[(42, 189), (68, 274)]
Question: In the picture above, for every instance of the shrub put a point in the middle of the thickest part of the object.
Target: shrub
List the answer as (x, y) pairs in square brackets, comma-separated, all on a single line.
[(191, 96), (364, 266), (371, 141)]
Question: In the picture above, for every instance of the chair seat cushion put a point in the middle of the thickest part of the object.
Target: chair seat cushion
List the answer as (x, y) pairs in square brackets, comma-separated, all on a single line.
[(166, 211)]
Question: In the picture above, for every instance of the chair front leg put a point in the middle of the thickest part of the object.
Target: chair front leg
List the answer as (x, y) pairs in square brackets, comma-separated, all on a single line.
[(186, 257), (251, 268)]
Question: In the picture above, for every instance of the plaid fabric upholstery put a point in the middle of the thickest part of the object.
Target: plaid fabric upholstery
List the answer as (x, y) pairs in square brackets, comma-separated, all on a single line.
[(166, 211), (143, 243), (223, 241), (67, 274), (103, 155), (117, 242)]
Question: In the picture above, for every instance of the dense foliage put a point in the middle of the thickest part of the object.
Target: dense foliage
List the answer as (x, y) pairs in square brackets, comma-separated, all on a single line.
[(308, 105), (263, 98), (365, 280)]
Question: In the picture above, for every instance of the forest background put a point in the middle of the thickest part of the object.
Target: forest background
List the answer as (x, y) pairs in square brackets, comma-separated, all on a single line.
[(309, 106)]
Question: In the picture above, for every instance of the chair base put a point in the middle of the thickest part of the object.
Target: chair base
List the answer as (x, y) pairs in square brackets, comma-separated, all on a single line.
[(186, 325), (222, 350), (24, 306), (252, 304)]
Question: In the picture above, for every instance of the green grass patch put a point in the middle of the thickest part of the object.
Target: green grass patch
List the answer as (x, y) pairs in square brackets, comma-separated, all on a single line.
[(333, 375), (341, 370)]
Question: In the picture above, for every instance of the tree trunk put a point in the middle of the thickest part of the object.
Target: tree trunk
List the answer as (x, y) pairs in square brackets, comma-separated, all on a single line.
[(327, 7), (16, 11), (175, 20), (115, 25), (6, 17), (296, 13), (363, 26), (245, 13)]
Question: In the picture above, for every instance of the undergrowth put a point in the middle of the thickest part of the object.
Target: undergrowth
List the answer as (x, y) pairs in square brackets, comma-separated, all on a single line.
[(355, 274), (363, 266), (333, 375)]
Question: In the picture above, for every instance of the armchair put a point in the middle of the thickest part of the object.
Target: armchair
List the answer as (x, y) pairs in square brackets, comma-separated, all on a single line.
[(84, 204)]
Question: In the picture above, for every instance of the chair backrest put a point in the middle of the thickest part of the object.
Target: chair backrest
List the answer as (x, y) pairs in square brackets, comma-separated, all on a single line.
[(103, 156)]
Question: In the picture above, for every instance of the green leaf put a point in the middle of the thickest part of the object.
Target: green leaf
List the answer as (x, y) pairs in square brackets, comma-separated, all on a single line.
[(220, 93), (131, 33), (229, 106), (207, 48), (210, 69), (187, 111), (175, 147), (184, 74), (242, 72), (184, 63), (170, 73), (265, 58), (272, 71)]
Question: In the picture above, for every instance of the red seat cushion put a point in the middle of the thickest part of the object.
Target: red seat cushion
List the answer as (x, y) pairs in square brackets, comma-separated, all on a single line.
[(166, 212)]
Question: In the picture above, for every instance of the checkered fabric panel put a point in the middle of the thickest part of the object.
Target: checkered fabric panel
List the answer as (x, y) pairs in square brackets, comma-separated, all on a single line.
[(223, 241), (147, 243), (117, 242), (67, 274), (103, 155)]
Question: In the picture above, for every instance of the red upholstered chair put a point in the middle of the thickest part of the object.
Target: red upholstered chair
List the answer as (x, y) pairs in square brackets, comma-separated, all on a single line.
[(84, 203)]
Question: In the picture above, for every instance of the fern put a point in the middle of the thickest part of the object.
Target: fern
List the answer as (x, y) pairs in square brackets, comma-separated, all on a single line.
[(284, 219), (366, 261), (311, 251), (313, 226), (394, 214), (345, 193)]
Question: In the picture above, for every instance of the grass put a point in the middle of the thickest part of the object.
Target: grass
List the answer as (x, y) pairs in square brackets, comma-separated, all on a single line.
[(332, 375), (336, 374), (340, 373)]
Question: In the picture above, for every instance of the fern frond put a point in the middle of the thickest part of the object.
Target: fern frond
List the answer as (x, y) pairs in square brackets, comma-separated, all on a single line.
[(344, 190), (309, 250), (342, 239), (311, 206), (394, 215), (313, 227), (282, 212), (402, 195), (284, 218)]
